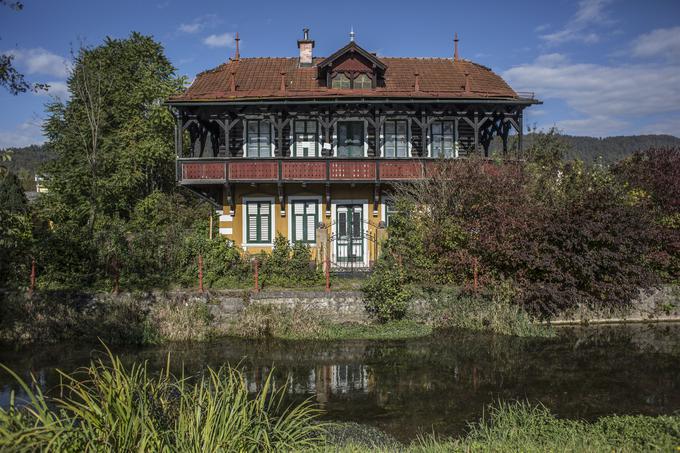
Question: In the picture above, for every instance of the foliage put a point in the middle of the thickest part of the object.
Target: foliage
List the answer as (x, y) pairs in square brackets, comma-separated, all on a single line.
[(653, 178), (288, 266), (108, 407), (493, 312), (26, 162), (386, 292), (524, 427), (16, 237), (565, 234)]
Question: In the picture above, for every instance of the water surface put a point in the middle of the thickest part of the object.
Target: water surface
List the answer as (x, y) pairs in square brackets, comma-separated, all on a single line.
[(437, 384)]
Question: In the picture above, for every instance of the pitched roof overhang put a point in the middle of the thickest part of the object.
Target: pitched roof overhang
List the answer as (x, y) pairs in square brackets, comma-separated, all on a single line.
[(352, 46)]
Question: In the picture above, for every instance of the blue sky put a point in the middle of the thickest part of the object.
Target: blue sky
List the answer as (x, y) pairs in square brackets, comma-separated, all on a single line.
[(602, 67)]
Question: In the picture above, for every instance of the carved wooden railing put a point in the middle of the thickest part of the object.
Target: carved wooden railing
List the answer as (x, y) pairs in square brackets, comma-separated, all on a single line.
[(216, 171)]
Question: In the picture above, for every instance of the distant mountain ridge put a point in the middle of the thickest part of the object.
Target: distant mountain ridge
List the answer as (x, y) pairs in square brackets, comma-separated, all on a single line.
[(612, 149)]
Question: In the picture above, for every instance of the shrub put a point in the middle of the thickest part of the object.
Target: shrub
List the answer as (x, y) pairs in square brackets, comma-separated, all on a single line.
[(289, 266), (387, 293)]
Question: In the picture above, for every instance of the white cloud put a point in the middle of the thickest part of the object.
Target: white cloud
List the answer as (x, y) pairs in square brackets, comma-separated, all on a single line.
[(40, 61), (199, 23), (670, 126), (223, 40), (607, 97), (590, 13), (663, 42), (28, 133), (56, 89)]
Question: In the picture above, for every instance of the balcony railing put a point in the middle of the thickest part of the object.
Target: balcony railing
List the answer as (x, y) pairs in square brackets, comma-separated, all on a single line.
[(366, 170)]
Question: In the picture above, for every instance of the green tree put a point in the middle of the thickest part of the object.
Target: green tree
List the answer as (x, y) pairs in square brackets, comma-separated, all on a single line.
[(113, 144)]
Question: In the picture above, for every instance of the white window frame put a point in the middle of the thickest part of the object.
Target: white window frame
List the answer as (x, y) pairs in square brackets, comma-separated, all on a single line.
[(291, 200), (408, 136), (291, 137), (364, 208), (272, 220), (383, 207), (456, 142), (335, 135), (245, 135)]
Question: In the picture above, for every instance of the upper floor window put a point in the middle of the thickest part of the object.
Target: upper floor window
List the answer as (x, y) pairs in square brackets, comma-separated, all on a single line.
[(306, 138), (258, 138), (362, 82), (340, 81), (443, 139), (396, 138)]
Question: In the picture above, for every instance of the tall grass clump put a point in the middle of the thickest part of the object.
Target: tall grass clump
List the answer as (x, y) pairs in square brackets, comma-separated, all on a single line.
[(107, 407)]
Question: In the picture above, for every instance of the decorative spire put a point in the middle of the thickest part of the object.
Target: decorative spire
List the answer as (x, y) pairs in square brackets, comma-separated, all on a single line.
[(351, 34), (237, 54), (455, 47)]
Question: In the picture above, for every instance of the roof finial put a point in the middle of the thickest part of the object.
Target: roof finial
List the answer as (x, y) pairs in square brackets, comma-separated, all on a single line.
[(237, 54), (351, 34), (455, 47)]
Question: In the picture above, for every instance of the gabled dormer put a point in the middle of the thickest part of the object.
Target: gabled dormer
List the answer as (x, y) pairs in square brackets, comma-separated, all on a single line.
[(352, 67)]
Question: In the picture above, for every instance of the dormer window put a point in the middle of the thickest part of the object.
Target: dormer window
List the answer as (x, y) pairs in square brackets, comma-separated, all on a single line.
[(362, 82), (340, 81)]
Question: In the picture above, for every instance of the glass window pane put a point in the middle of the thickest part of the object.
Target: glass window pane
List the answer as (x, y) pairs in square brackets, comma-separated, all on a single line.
[(448, 127), (436, 128)]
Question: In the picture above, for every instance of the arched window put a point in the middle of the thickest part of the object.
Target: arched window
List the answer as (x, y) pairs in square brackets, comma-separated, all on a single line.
[(340, 81), (362, 82)]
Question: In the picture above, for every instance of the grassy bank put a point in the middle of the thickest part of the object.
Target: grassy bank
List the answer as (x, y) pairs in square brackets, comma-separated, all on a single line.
[(526, 428), (109, 407)]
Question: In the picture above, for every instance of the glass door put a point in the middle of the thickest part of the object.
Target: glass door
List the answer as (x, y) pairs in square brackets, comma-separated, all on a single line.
[(349, 238), (350, 138)]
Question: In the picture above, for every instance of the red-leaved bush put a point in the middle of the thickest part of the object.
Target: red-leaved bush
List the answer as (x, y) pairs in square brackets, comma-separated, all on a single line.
[(565, 235)]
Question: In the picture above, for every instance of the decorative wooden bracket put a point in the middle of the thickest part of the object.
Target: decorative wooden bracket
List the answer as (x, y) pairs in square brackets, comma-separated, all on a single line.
[(376, 199), (328, 200), (230, 191), (282, 199)]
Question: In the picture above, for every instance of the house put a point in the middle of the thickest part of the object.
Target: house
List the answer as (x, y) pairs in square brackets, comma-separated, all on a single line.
[(306, 145)]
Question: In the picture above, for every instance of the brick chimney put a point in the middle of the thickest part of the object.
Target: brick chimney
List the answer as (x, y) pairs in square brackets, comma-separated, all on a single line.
[(305, 45)]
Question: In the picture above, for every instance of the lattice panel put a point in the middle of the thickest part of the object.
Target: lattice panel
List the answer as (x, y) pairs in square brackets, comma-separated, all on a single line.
[(253, 171), (352, 170), (204, 170), (401, 170), (300, 171)]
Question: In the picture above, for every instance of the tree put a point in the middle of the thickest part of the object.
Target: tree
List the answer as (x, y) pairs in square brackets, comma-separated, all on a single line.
[(113, 144)]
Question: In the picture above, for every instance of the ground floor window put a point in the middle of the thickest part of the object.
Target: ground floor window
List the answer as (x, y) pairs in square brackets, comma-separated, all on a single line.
[(258, 223), (304, 221), (390, 209)]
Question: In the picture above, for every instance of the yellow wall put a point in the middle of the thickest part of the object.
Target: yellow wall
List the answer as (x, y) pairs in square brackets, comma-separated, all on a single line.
[(232, 226)]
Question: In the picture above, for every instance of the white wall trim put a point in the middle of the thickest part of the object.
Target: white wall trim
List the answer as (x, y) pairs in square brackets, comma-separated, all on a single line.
[(334, 138), (244, 214), (291, 198), (364, 204)]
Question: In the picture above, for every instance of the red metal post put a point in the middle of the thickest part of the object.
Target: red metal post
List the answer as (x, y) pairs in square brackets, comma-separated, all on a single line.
[(257, 282), (328, 272), (474, 270), (32, 287), (200, 273)]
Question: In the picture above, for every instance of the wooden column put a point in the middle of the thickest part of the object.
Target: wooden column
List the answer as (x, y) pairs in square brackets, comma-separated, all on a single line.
[(520, 148)]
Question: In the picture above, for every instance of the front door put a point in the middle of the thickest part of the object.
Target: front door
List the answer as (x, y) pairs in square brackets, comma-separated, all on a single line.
[(350, 138), (349, 234)]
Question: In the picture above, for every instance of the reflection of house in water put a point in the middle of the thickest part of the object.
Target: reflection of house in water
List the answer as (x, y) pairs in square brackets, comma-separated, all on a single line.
[(321, 381)]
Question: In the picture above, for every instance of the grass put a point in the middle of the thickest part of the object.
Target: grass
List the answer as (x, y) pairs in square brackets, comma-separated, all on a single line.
[(266, 321), (516, 427), (451, 309), (109, 408)]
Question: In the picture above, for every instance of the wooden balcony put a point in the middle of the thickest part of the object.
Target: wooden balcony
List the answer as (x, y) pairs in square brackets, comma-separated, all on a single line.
[(193, 171)]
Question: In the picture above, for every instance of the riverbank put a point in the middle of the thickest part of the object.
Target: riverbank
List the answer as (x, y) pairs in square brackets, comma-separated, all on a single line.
[(187, 315)]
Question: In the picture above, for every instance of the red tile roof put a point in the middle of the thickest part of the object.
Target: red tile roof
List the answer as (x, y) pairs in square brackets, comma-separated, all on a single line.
[(260, 78)]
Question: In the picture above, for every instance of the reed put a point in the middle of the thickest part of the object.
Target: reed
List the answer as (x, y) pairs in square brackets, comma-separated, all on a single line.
[(107, 407)]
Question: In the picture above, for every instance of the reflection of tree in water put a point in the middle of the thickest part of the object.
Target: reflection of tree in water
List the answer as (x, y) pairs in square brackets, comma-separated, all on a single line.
[(435, 383)]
